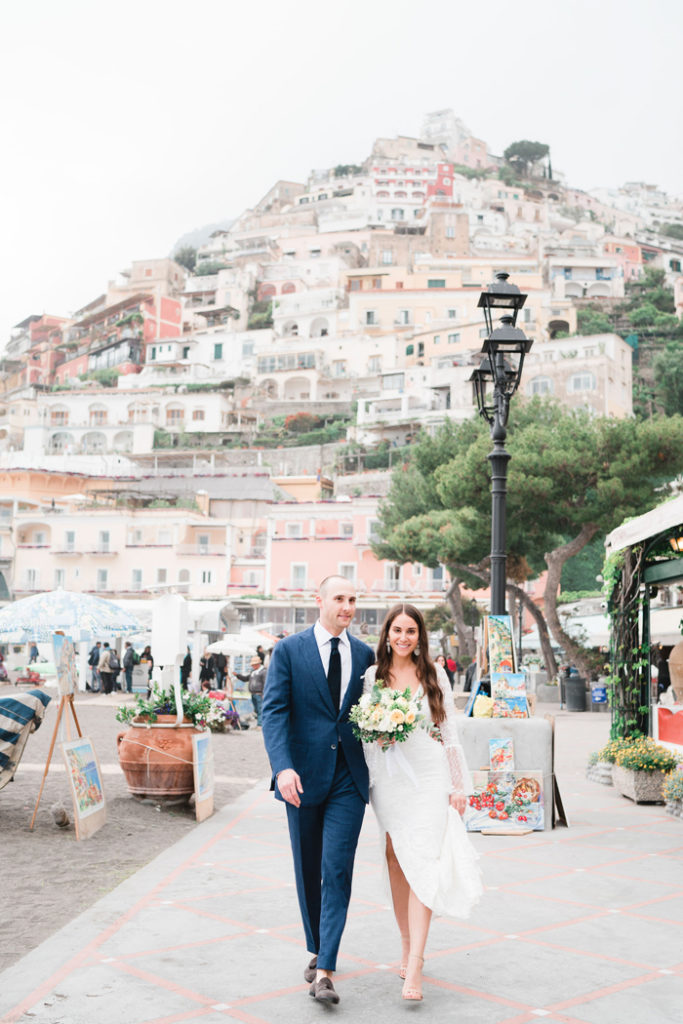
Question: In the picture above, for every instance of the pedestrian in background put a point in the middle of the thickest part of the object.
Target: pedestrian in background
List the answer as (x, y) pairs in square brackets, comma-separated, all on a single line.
[(255, 680), (186, 669), (128, 664), (94, 662), (106, 673)]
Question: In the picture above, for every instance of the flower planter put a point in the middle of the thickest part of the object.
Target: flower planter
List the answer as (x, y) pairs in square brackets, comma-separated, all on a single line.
[(156, 757), (600, 772), (674, 807), (642, 787)]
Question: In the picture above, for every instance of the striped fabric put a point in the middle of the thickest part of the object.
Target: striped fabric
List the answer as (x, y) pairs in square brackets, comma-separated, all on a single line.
[(19, 716)]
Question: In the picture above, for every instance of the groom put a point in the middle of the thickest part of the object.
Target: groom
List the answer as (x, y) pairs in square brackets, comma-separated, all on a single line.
[(318, 767)]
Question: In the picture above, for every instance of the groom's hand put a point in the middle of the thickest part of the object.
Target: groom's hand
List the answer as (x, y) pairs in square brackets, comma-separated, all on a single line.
[(289, 784)]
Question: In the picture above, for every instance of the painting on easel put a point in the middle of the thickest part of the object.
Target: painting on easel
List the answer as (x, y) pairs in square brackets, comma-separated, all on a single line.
[(85, 781), (65, 662)]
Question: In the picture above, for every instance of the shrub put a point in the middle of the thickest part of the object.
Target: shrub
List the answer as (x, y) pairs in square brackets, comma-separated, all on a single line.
[(673, 786), (644, 755)]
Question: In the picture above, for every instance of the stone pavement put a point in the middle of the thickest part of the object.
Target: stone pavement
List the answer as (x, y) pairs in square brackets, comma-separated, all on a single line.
[(581, 925)]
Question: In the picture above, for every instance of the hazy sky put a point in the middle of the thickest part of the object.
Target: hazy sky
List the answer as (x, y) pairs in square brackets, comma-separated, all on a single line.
[(125, 125)]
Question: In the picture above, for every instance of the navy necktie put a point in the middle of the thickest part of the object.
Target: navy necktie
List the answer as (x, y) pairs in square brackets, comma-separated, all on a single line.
[(334, 672)]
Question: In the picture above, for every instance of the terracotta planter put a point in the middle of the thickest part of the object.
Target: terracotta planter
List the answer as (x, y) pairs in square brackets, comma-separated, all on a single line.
[(642, 787), (156, 757)]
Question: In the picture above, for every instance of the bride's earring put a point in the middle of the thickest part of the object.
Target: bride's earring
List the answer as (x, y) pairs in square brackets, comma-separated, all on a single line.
[(388, 647), (416, 652)]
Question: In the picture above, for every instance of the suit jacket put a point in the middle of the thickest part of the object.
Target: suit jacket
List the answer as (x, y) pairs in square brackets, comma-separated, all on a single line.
[(301, 728)]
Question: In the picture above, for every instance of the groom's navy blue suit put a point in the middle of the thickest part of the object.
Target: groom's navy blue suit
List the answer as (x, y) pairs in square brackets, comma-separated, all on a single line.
[(302, 730)]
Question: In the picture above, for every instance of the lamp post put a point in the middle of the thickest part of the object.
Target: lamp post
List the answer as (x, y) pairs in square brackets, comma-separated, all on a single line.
[(495, 382)]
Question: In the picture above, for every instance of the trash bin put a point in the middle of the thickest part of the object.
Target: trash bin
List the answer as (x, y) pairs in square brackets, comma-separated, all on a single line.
[(575, 689)]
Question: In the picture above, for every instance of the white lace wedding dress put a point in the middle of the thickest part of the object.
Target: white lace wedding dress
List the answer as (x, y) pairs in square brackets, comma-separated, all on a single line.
[(409, 789)]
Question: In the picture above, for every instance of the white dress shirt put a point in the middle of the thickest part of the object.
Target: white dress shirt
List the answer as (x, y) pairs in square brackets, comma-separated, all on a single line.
[(322, 638)]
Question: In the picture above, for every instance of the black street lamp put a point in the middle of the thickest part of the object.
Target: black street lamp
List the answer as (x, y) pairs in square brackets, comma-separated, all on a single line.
[(495, 382)]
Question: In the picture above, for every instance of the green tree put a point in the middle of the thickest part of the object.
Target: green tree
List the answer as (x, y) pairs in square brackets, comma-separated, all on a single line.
[(572, 478), (672, 230), (186, 256), (668, 373), (593, 321), (524, 153)]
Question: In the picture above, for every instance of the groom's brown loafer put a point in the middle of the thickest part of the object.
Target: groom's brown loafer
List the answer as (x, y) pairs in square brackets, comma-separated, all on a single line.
[(323, 991), (311, 970)]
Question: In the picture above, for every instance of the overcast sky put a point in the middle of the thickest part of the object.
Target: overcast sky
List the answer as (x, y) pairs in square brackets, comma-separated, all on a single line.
[(125, 125)]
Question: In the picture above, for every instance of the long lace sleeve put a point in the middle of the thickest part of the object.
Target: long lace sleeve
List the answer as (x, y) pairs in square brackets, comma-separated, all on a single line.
[(461, 780), (371, 751)]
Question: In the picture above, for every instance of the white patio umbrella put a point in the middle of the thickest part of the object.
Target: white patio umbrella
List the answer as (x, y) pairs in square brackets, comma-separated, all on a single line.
[(228, 645), (79, 616)]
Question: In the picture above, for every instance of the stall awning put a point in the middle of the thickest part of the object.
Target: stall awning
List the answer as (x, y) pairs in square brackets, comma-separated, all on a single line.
[(651, 524)]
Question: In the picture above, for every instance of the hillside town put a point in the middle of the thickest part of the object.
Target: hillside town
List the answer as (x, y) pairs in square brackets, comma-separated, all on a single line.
[(223, 422)]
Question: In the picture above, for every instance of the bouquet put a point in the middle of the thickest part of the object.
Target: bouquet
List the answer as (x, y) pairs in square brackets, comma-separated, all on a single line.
[(385, 714)]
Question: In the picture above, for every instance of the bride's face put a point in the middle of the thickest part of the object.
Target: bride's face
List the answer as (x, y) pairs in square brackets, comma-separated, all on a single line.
[(403, 635)]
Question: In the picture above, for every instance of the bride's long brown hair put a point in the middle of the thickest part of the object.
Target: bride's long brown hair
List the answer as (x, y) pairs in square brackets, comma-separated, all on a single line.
[(424, 666)]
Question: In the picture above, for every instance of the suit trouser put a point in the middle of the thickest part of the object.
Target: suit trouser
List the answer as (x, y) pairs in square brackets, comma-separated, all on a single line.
[(324, 839)]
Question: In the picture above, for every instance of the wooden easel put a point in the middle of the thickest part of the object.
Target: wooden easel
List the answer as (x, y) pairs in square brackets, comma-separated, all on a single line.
[(65, 701)]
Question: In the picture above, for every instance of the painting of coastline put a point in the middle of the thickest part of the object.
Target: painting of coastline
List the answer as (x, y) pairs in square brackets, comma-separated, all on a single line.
[(83, 773), (501, 651)]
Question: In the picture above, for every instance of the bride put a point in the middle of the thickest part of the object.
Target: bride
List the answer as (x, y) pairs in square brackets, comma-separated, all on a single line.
[(418, 794)]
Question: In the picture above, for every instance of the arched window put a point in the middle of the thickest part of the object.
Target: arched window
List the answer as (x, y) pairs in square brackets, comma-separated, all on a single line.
[(97, 415), (287, 288)]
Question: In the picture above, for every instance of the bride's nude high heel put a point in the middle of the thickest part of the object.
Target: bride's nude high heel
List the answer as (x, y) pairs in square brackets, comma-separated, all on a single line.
[(411, 992)]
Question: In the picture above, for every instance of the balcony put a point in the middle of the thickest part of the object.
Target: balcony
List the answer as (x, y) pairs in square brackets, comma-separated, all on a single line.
[(201, 549)]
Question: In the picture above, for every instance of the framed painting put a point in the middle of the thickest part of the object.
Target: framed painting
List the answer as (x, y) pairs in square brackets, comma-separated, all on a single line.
[(513, 799), (85, 782)]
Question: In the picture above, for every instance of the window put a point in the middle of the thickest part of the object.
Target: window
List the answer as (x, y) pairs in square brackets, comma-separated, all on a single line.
[(39, 539), (70, 540), (153, 354), (347, 529), (102, 579), (436, 282), (218, 350), (452, 314), (437, 578), (186, 351), (207, 575), (397, 213), (299, 571), (453, 339), (540, 386), (355, 285), (581, 382), (59, 417), (392, 576), (339, 368), (374, 364), (387, 257), (403, 316), (248, 348), (103, 543), (410, 350), (135, 537), (417, 569), (197, 414), (348, 571), (377, 282), (437, 339), (161, 575), (60, 578), (31, 579), (393, 380), (98, 417), (293, 530), (450, 232), (136, 579), (420, 348), (528, 316), (371, 317), (175, 415), (203, 543), (184, 576), (373, 530)]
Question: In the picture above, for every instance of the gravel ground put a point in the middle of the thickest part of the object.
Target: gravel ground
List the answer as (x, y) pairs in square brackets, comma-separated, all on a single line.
[(51, 877)]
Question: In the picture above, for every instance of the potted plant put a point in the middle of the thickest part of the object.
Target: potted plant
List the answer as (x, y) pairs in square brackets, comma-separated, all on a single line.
[(672, 791), (601, 762), (155, 752), (640, 769)]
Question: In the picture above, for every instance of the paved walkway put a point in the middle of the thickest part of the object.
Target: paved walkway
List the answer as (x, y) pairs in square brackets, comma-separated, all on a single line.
[(580, 925)]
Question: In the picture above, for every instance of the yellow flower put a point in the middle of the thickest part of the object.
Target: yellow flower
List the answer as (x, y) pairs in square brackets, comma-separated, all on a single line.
[(410, 717), (397, 717)]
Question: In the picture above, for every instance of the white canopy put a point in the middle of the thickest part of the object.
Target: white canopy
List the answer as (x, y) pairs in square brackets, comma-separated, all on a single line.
[(657, 520)]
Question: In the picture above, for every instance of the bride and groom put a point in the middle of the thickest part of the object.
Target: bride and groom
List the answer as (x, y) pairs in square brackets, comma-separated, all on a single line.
[(326, 777)]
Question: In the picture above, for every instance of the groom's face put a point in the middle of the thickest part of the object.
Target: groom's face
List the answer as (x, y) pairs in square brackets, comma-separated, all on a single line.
[(337, 603)]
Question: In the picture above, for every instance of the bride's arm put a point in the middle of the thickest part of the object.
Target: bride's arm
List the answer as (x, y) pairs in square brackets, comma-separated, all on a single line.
[(371, 751), (461, 780)]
